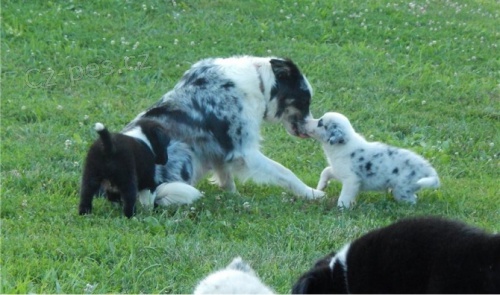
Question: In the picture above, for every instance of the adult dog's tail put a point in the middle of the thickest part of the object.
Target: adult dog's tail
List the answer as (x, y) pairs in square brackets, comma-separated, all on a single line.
[(176, 193), (105, 138), (429, 182)]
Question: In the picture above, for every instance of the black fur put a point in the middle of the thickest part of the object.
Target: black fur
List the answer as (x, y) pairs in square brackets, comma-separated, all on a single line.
[(123, 165), (421, 255)]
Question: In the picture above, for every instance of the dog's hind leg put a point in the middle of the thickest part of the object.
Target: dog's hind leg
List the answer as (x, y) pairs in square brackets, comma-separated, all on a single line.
[(350, 189), (261, 169), (224, 179), (325, 176), (129, 196), (90, 187)]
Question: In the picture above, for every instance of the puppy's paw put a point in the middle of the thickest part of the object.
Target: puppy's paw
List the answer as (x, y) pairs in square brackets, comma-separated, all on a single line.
[(343, 205), (147, 199)]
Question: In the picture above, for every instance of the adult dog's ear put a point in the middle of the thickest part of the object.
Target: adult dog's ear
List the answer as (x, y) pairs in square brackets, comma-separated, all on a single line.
[(281, 68), (336, 137)]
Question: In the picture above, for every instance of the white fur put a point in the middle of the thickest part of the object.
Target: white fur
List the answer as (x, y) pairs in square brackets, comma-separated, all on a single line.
[(138, 134), (99, 127), (146, 198), (176, 193), (237, 278), (341, 257), (362, 165)]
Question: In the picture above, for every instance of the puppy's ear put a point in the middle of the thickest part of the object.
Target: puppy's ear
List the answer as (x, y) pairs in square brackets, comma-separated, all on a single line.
[(305, 285), (281, 68), (159, 142), (337, 136)]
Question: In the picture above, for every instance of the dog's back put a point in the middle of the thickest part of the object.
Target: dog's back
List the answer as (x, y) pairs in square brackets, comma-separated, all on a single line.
[(419, 255), (425, 255), (382, 166)]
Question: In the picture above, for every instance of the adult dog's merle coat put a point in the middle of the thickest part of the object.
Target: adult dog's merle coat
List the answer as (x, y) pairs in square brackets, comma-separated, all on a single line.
[(217, 109), (419, 255)]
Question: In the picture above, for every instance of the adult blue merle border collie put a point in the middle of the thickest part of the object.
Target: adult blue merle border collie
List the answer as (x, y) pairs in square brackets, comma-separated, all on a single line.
[(217, 109), (419, 255), (133, 164)]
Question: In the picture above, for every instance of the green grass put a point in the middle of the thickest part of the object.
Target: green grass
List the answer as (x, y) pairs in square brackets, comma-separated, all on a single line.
[(422, 75)]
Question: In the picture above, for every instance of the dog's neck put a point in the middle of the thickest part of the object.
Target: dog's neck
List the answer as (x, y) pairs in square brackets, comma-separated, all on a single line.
[(137, 134), (264, 75)]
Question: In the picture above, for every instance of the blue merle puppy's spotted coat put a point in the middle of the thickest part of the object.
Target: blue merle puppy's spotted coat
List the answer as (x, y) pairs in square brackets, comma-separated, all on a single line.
[(361, 165)]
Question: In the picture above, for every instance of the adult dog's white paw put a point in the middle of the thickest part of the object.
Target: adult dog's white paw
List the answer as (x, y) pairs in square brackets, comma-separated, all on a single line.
[(313, 194)]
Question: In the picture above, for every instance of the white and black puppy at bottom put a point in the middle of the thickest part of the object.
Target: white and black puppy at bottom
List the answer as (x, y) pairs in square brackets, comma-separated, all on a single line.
[(236, 278), (133, 164), (365, 166), (418, 255)]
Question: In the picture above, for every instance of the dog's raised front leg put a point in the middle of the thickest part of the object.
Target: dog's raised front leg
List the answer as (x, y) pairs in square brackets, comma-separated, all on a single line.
[(261, 169), (350, 189), (325, 176)]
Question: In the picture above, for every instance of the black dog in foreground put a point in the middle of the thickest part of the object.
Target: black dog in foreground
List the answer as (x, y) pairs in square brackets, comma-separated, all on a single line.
[(421, 255), (131, 164)]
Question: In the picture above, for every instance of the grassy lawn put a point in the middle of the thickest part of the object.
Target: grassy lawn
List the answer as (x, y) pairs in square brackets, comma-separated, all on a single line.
[(423, 75)]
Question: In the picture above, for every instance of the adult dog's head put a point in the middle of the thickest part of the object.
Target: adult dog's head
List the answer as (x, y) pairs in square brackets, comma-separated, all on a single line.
[(290, 97), (123, 164), (333, 128)]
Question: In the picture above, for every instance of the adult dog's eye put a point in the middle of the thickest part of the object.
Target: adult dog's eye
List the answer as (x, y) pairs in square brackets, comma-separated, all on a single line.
[(320, 123)]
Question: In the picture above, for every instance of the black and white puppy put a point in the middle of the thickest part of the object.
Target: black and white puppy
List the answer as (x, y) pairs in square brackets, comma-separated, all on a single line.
[(363, 165), (420, 255), (134, 163), (217, 109)]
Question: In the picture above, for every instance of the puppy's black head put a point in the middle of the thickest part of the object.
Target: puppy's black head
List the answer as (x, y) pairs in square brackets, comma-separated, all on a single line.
[(293, 94), (322, 279)]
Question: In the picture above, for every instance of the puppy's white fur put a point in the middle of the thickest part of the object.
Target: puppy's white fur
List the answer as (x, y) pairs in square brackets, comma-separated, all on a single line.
[(237, 278), (363, 165)]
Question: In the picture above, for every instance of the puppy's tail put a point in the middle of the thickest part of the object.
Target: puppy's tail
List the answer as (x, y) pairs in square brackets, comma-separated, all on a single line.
[(176, 193), (105, 138), (429, 182)]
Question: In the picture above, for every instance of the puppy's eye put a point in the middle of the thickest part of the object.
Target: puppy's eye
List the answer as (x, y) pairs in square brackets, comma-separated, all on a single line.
[(320, 123)]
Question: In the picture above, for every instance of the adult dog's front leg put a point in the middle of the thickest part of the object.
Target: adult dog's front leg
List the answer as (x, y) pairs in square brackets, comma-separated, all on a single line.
[(261, 169)]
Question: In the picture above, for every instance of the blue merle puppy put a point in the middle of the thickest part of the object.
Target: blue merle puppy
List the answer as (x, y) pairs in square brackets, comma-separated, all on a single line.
[(362, 165)]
